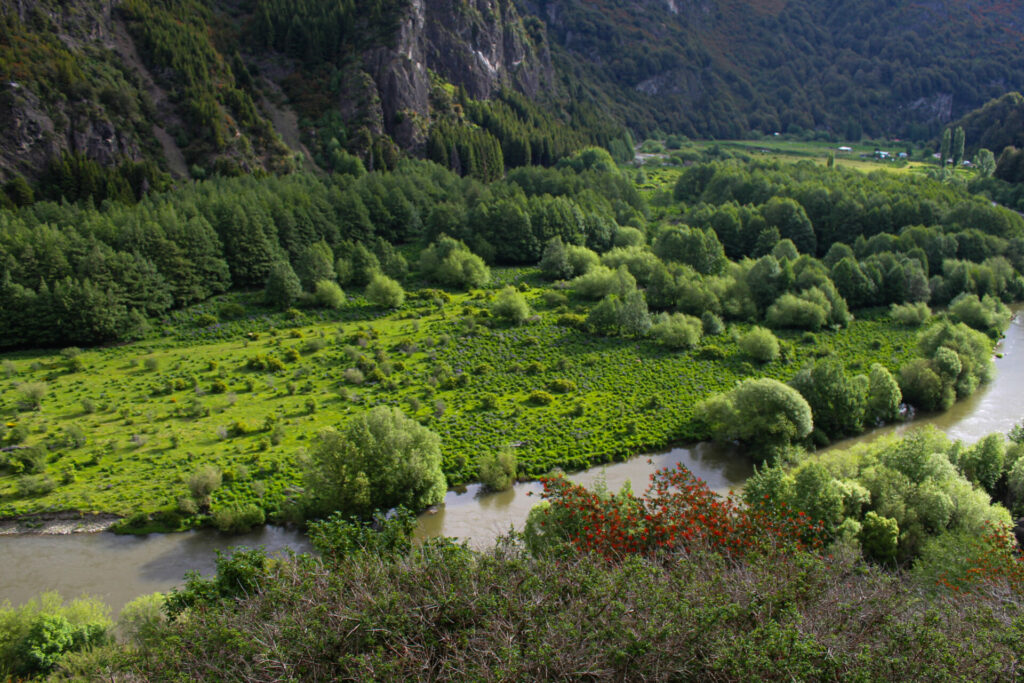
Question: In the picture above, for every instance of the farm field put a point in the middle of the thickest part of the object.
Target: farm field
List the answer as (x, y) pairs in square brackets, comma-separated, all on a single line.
[(121, 429)]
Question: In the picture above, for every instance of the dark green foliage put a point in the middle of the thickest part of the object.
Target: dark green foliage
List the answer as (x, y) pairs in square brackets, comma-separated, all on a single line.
[(239, 573), (283, 287), (838, 400), (337, 538)]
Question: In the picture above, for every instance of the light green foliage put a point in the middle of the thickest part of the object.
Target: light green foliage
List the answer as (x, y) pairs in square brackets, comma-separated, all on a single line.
[(385, 292), (699, 249), (764, 413), (203, 483), (283, 287), (791, 311), (985, 162), (983, 463), (911, 314), (760, 344), (562, 261), (819, 495), (329, 295), (626, 236), (988, 315), (511, 305), (884, 396), (911, 484), (638, 260), (498, 469), (1015, 483), (627, 316), (599, 282), (32, 394), (35, 636), (385, 535), (879, 536), (238, 519), (677, 330), (614, 377), (379, 460), (140, 620), (451, 263)]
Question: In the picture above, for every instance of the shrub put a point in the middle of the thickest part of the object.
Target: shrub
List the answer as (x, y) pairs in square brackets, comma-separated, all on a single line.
[(764, 413), (203, 483), (34, 637), (712, 324), (30, 486), (790, 311), (760, 344), (379, 460), (677, 330), (561, 386), (511, 305), (206, 320), (987, 315), (239, 519), (497, 470), (451, 263), (540, 398), (385, 292), (384, 536), (32, 394), (910, 314), (151, 364), (711, 352), (328, 294)]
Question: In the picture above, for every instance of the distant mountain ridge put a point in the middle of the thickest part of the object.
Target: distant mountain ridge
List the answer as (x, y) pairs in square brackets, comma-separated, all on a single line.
[(107, 97)]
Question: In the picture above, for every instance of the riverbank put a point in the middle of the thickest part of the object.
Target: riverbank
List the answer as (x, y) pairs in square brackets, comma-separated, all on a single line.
[(60, 524)]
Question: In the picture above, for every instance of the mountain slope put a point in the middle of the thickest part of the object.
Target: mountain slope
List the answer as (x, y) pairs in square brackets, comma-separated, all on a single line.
[(104, 98), (722, 68)]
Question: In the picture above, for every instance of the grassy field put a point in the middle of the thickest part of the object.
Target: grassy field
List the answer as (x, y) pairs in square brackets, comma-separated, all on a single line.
[(121, 429), (796, 150)]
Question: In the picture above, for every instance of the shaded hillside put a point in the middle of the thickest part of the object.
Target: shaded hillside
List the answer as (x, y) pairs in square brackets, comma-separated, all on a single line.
[(725, 68), (997, 125)]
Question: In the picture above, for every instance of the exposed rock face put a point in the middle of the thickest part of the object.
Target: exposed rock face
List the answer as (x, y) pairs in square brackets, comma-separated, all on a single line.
[(938, 107), (29, 138), (481, 45)]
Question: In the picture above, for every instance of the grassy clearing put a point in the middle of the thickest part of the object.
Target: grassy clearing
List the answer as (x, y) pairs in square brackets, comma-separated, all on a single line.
[(122, 429), (797, 150)]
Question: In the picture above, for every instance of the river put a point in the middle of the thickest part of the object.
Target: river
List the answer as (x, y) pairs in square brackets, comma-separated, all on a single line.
[(119, 568)]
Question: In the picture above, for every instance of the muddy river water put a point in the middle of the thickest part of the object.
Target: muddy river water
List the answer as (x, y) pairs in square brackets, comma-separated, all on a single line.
[(119, 568)]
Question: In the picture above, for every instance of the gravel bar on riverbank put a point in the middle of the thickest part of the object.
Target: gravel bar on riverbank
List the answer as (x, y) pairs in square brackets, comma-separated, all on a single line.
[(57, 525)]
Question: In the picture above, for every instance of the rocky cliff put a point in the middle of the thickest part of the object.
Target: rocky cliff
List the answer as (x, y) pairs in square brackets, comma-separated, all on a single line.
[(480, 45)]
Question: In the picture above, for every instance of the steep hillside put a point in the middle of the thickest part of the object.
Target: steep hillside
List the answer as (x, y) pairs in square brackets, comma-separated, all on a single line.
[(997, 125), (723, 68)]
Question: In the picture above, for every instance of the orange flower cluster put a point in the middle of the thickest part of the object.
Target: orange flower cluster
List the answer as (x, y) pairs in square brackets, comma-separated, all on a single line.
[(678, 511)]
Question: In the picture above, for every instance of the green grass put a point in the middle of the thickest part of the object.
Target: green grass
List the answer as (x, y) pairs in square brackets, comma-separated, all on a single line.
[(150, 431), (796, 150)]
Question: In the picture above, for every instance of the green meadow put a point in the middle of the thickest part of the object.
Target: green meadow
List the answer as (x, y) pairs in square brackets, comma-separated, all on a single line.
[(121, 429)]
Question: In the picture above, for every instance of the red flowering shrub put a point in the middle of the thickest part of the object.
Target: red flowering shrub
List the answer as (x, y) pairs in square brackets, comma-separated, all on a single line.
[(987, 562), (678, 511)]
